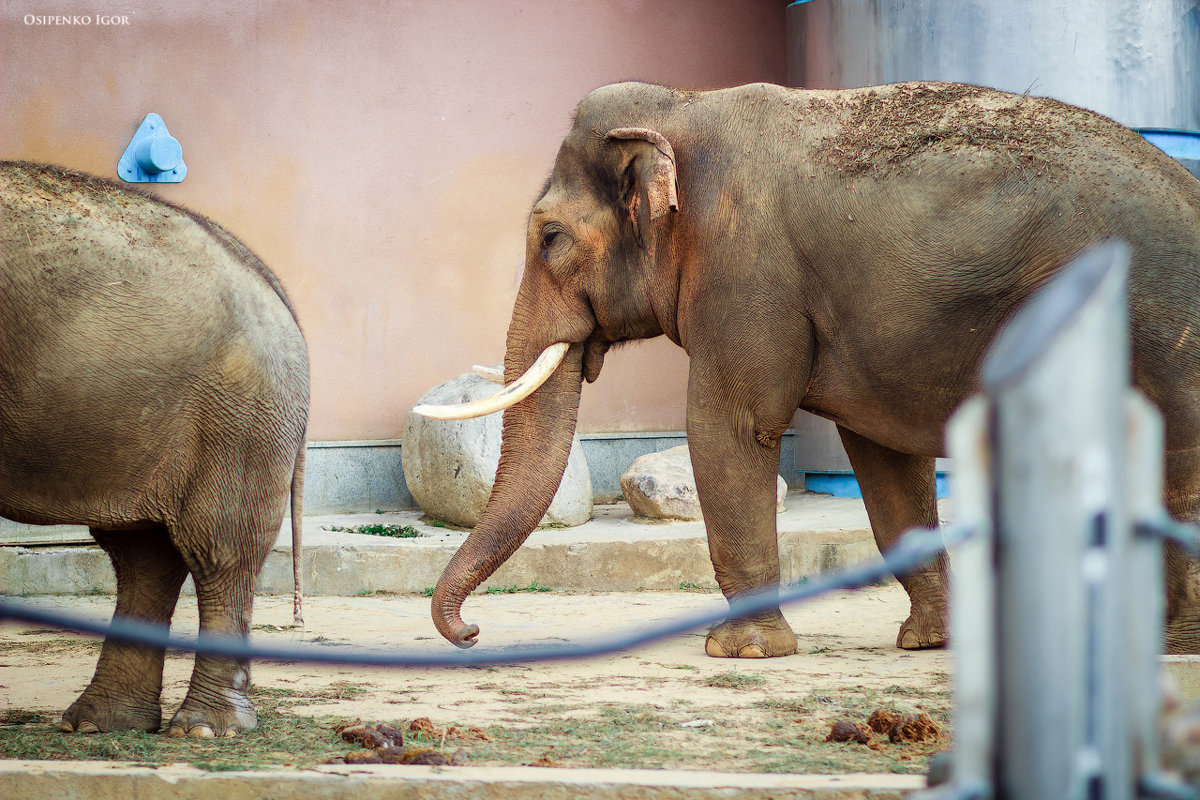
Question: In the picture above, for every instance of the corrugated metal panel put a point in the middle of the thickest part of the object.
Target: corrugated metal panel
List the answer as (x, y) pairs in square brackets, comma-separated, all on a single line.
[(1138, 63)]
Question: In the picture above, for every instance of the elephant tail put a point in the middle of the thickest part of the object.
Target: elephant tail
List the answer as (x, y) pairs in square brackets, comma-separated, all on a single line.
[(297, 528)]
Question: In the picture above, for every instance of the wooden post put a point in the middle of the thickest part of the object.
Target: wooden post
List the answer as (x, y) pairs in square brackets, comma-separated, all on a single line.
[(973, 598), (1056, 603)]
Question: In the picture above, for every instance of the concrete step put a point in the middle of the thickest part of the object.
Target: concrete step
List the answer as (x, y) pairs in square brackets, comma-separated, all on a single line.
[(105, 780), (613, 552)]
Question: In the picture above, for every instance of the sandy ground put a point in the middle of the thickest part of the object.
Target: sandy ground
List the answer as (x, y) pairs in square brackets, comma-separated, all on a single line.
[(846, 641)]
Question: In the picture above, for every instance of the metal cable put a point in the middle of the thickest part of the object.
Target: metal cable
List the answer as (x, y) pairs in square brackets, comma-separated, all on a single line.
[(915, 548)]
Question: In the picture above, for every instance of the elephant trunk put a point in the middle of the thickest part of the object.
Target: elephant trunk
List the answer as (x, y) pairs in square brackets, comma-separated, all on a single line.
[(536, 441)]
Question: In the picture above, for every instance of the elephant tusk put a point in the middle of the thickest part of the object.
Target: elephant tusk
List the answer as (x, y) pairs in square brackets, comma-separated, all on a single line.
[(509, 396), (493, 374)]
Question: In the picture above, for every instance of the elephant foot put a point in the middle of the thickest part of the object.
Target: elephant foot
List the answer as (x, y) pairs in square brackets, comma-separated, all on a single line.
[(89, 714), (198, 718), (760, 637), (924, 629)]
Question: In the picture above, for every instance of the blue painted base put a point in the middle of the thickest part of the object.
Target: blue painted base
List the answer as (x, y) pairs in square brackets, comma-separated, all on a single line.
[(843, 484), (1181, 145)]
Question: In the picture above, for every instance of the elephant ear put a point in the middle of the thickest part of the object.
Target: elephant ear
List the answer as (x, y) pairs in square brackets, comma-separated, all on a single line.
[(649, 187)]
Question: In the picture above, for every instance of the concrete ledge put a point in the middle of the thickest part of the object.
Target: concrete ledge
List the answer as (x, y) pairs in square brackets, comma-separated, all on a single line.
[(363, 476), (1185, 671), (367, 476), (612, 552), (120, 781), (354, 476)]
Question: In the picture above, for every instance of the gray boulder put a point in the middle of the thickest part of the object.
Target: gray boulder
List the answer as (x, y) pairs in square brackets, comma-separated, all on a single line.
[(662, 486), (450, 465)]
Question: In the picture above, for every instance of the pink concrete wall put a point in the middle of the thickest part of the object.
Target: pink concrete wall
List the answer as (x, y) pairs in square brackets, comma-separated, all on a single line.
[(380, 156)]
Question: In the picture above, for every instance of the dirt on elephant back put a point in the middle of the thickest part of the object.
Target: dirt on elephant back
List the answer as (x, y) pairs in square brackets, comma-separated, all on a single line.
[(46, 188), (882, 130), (82, 210)]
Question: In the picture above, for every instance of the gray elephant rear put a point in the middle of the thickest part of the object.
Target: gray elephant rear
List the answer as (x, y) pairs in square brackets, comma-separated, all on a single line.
[(153, 386)]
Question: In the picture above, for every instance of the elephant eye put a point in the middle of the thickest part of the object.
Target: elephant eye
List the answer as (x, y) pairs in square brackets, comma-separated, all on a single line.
[(553, 236)]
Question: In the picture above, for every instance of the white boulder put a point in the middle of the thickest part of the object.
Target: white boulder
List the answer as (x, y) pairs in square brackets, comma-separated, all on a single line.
[(662, 486), (450, 465)]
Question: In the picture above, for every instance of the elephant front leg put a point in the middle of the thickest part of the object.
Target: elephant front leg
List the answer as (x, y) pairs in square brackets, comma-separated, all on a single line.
[(125, 691), (900, 492), (735, 458)]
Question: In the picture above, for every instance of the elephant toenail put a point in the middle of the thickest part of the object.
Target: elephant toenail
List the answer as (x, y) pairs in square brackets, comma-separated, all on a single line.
[(66, 727), (909, 641), (229, 734), (752, 651), (176, 732), (87, 727), (202, 732), (715, 649)]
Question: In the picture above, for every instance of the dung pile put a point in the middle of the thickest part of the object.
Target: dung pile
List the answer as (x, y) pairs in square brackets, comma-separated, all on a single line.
[(384, 743)]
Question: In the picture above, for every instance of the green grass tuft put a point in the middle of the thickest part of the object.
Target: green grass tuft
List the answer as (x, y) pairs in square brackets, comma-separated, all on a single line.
[(532, 587), (735, 680), (393, 531)]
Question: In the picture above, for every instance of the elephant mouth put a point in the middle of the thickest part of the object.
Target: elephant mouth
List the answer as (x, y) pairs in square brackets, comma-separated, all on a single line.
[(593, 358), (526, 384)]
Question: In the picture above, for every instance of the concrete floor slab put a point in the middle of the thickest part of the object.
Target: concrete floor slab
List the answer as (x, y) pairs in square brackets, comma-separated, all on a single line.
[(120, 781)]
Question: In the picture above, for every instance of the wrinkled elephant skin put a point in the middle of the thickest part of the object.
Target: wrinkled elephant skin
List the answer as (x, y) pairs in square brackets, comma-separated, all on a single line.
[(153, 386), (851, 253)]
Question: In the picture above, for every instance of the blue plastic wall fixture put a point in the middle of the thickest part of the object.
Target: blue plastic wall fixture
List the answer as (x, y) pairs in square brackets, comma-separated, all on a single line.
[(153, 155), (1181, 145), (843, 484)]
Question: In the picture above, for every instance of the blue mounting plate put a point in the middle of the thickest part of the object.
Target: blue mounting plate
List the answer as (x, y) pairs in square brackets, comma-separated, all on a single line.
[(153, 155)]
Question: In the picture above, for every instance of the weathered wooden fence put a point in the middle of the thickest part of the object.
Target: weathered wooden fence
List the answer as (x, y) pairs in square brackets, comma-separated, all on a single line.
[(1057, 598)]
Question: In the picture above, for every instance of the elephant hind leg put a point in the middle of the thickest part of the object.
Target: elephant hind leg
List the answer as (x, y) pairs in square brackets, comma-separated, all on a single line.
[(1183, 502), (224, 554), (900, 492), (126, 688)]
